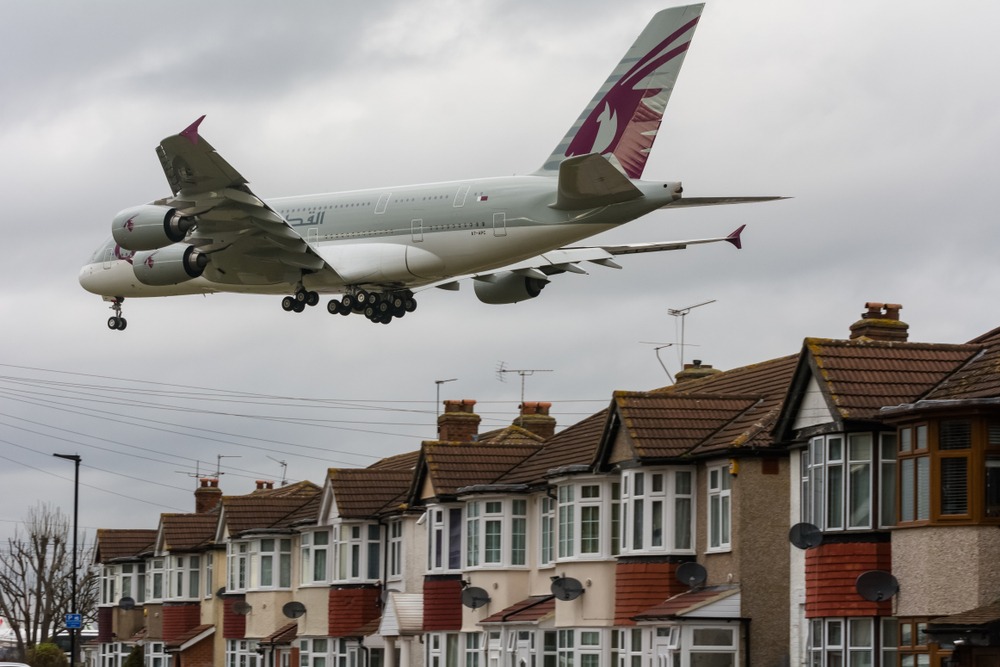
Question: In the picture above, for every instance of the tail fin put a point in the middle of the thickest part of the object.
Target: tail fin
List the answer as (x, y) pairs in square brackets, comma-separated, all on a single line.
[(623, 118)]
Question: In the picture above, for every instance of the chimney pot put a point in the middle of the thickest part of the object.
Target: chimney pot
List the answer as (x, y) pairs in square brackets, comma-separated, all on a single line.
[(207, 495), (881, 322), (458, 422), (535, 417)]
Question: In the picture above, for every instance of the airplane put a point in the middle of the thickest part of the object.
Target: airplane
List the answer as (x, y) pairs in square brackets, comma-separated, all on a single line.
[(375, 248)]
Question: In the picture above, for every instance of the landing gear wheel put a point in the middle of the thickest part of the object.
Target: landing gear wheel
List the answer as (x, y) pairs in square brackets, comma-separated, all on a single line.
[(288, 304), (370, 312), (399, 312), (396, 301), (349, 301), (301, 295), (298, 306), (383, 307), (363, 297), (410, 304), (333, 307), (312, 298), (116, 322), (385, 319)]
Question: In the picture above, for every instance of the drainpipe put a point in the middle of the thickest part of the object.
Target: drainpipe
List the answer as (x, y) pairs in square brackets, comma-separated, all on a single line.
[(745, 622)]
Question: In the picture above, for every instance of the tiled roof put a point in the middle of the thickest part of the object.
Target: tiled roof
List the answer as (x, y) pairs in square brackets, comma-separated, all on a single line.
[(688, 602), (123, 543), (187, 532), (369, 492), (405, 461), (453, 466), (271, 508), (284, 635), (861, 376), (192, 636), (985, 615), (980, 378), (511, 435), (576, 445), (529, 610), (663, 425)]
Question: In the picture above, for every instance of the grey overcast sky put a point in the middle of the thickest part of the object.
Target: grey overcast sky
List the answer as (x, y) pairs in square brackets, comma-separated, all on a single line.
[(879, 118)]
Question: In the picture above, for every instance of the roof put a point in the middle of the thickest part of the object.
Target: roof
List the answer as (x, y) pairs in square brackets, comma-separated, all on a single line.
[(191, 637), (115, 543), (980, 616), (403, 614), (575, 445), (405, 461), (271, 509), (284, 635), (530, 610), (188, 532), (690, 602), (367, 492), (451, 467), (979, 378)]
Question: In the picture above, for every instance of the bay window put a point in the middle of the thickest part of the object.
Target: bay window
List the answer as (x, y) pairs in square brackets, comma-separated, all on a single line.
[(444, 543), (238, 561), (496, 532), (856, 642), (275, 563), (185, 577), (358, 552), (657, 511), (847, 479), (547, 523), (155, 580), (314, 549)]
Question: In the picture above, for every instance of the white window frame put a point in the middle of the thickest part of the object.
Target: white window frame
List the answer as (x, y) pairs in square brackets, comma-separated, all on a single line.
[(357, 552), (314, 557), (445, 545), (184, 577), (657, 496), (395, 559), (243, 653), (273, 563), (154, 655), (495, 534), (848, 481), (547, 529), (720, 508), (841, 641), (156, 579), (238, 557)]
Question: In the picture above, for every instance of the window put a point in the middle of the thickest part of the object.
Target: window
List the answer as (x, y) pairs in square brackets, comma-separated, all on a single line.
[(314, 548), (109, 584), (442, 649), (547, 525), (495, 532), (657, 511), (155, 580), (395, 549), (916, 649), (444, 546), (275, 563), (567, 514), (839, 486), (581, 647), (719, 508), (185, 577), (473, 649), (851, 642), (243, 653), (154, 655), (358, 555)]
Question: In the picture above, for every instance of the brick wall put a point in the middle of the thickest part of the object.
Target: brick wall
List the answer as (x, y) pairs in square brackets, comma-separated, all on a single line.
[(199, 655), (641, 584), (831, 572), (351, 608), (442, 603), (234, 626), (178, 619)]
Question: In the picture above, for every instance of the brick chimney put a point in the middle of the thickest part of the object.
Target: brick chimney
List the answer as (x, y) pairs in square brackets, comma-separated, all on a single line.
[(535, 418), (881, 322), (207, 496), (695, 371), (458, 422), (265, 484)]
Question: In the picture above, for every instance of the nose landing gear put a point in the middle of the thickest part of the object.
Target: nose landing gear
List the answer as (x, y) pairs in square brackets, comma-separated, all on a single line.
[(116, 322)]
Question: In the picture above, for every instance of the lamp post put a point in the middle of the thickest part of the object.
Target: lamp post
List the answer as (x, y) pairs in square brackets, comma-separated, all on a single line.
[(73, 632)]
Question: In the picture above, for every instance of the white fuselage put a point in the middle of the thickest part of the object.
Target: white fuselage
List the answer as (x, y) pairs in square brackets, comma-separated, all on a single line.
[(408, 236)]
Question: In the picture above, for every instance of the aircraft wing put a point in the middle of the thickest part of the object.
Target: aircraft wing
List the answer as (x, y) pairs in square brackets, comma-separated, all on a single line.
[(241, 231), (568, 259)]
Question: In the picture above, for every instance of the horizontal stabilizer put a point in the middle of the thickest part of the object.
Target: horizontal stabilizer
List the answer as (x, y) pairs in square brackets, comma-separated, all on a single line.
[(590, 181), (718, 201)]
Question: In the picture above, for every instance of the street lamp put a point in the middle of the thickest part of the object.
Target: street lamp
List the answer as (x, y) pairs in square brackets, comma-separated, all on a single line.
[(73, 632)]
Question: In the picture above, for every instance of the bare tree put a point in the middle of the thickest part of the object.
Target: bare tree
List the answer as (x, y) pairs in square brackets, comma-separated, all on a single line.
[(36, 578)]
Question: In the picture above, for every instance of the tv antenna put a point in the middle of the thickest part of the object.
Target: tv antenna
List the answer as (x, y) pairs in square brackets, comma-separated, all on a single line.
[(218, 462), (284, 469), (438, 401), (656, 349), (502, 370), (682, 313)]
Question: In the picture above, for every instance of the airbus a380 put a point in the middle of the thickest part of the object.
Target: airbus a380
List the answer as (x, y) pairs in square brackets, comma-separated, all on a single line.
[(376, 247)]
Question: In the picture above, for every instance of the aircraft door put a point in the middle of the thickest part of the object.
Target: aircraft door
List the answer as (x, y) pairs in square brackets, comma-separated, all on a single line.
[(499, 224), (463, 192), (312, 235), (417, 230)]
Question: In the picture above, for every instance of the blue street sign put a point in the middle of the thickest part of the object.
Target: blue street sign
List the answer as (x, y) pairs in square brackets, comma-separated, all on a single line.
[(74, 621)]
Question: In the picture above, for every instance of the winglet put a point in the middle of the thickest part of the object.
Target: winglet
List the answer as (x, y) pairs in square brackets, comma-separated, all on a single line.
[(191, 131), (734, 238)]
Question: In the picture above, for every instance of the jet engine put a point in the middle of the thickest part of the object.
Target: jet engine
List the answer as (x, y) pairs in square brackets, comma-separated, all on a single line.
[(149, 227), (508, 287), (169, 266)]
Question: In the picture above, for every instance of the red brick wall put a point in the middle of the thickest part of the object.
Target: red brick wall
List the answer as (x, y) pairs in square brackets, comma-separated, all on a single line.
[(442, 604), (831, 572), (105, 632), (351, 608), (641, 584), (199, 655), (234, 626), (179, 618)]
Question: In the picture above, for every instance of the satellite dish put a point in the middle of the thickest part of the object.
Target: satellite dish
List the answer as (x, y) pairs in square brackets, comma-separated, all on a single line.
[(293, 609), (127, 603), (876, 585), (241, 608), (692, 574), (566, 588), (221, 592), (474, 597), (805, 535)]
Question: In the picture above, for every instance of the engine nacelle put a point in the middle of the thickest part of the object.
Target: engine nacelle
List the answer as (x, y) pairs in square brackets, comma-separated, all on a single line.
[(508, 287), (149, 227), (169, 266)]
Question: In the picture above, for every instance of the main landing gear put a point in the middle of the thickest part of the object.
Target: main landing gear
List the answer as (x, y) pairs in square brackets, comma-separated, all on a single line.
[(116, 321), (379, 307)]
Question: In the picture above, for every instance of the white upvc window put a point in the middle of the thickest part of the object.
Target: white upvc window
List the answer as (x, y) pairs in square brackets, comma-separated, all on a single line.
[(358, 552), (238, 560), (275, 563), (242, 653), (154, 655), (444, 543), (547, 523), (851, 641), (314, 549), (395, 556), (578, 647), (156, 580), (209, 573), (442, 649), (588, 519), (473, 649), (719, 508), (330, 652), (657, 511), (109, 584), (496, 532), (184, 576)]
